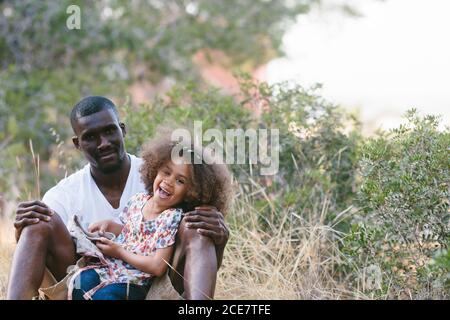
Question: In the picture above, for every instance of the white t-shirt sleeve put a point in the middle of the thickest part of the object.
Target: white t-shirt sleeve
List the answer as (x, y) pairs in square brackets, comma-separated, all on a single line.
[(58, 201)]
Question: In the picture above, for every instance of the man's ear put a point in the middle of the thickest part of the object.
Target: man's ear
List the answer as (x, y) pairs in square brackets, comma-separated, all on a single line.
[(75, 141), (124, 128)]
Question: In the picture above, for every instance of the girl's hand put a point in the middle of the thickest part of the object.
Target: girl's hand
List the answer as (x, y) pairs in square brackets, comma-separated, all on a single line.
[(110, 248), (100, 226)]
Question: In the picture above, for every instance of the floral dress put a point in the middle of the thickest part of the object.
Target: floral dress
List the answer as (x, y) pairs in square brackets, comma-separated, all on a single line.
[(140, 237)]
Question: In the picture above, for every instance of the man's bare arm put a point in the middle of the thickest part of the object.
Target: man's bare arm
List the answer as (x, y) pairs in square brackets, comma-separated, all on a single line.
[(210, 222)]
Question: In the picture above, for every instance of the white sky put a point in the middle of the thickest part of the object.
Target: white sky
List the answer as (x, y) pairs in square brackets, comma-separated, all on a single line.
[(395, 57)]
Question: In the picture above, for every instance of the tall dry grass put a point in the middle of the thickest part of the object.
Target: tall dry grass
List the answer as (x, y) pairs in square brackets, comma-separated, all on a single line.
[(291, 259), (7, 245)]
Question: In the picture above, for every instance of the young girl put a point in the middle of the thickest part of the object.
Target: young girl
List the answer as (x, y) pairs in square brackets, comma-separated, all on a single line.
[(144, 244)]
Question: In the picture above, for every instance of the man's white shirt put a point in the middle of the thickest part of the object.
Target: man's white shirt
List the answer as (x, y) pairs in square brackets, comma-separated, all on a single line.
[(79, 194)]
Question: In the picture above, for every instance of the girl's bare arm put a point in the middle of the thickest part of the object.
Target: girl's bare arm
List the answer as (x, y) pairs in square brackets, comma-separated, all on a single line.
[(154, 264)]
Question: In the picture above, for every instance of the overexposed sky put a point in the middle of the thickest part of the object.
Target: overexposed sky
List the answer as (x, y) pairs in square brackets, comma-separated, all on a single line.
[(395, 57)]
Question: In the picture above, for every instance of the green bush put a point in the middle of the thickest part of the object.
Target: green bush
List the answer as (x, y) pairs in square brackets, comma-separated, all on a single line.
[(406, 178), (404, 202)]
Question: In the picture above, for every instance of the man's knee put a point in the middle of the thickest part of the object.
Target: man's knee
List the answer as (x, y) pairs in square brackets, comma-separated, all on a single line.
[(43, 229), (192, 240), (39, 231)]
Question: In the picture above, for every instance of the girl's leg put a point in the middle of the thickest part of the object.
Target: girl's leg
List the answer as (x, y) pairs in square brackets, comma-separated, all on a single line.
[(85, 281), (119, 291)]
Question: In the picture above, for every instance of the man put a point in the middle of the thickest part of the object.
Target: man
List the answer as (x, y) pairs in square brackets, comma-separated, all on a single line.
[(100, 191)]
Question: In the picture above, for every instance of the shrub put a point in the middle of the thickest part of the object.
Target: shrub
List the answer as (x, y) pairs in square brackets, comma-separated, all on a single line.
[(404, 201)]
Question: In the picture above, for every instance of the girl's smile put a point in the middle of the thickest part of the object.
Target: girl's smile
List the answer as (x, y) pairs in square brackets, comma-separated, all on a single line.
[(163, 193)]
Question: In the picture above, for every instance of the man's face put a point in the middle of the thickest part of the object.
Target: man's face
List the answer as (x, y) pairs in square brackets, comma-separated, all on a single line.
[(100, 137)]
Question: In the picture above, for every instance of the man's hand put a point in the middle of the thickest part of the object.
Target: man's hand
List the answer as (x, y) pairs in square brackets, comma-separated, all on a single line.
[(31, 212), (110, 248), (209, 222)]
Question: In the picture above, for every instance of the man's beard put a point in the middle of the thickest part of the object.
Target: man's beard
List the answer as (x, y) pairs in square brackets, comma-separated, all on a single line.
[(113, 167)]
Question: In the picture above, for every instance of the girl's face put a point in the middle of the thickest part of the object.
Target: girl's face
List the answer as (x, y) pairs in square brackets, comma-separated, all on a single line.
[(171, 184)]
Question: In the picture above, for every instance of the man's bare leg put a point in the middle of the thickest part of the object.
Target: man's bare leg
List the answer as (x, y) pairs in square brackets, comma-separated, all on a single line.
[(195, 263), (40, 245)]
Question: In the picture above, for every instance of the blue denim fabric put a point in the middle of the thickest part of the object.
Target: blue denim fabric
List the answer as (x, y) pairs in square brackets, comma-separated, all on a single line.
[(89, 279)]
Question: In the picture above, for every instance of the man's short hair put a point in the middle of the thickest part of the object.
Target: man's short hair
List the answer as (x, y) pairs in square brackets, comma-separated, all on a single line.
[(90, 105)]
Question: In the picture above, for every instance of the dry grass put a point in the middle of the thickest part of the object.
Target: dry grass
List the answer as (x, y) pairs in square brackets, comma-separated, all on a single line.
[(291, 260), (7, 245)]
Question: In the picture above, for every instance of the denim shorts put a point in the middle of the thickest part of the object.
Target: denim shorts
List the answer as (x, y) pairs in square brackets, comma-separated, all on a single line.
[(89, 279)]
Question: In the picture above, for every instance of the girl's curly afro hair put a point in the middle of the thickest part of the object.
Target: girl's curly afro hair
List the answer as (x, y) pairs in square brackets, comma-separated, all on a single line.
[(211, 183)]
